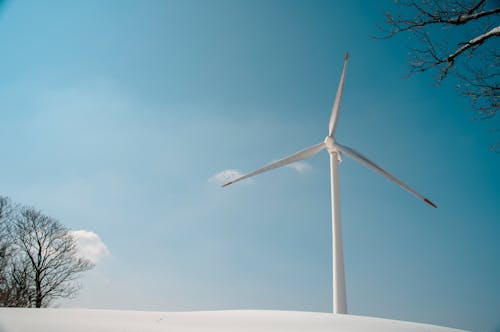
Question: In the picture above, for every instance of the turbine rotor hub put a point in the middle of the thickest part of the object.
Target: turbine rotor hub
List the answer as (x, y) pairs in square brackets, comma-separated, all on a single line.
[(330, 144)]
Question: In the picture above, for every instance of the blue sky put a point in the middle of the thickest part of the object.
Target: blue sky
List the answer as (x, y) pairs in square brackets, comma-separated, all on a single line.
[(116, 116)]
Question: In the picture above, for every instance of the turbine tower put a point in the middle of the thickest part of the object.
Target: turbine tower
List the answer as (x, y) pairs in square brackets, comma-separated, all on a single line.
[(335, 150)]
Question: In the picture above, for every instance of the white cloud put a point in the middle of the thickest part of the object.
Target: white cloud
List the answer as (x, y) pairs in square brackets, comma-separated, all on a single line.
[(90, 245), (226, 176), (300, 166)]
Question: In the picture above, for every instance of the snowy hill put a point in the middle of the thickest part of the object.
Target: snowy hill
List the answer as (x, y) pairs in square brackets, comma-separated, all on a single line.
[(80, 320)]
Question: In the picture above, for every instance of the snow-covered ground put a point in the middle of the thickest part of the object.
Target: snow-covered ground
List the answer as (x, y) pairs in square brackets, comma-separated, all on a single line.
[(80, 320)]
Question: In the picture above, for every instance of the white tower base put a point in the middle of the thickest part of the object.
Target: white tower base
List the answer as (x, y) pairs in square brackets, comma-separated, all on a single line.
[(339, 291)]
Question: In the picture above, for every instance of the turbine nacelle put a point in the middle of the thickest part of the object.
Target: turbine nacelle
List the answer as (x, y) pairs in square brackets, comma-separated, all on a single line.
[(330, 144)]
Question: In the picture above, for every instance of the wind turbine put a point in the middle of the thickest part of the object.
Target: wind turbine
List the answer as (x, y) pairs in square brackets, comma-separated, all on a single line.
[(335, 150)]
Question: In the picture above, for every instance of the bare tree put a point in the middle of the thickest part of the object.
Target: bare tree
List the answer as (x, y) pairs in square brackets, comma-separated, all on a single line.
[(14, 288), (46, 265), (455, 36), (6, 249)]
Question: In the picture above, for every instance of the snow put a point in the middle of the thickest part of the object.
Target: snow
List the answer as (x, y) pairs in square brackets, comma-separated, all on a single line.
[(83, 320)]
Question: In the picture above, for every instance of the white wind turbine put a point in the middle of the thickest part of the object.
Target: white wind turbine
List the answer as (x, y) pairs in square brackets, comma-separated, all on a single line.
[(335, 150)]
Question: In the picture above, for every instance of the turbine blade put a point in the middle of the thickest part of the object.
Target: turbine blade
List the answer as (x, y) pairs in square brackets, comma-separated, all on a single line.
[(338, 98), (370, 164), (303, 154)]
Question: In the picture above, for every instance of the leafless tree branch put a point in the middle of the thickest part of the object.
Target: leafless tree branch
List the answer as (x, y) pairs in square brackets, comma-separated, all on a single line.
[(454, 36)]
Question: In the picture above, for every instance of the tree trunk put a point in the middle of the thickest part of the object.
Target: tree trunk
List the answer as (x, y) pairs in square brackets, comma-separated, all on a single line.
[(38, 289)]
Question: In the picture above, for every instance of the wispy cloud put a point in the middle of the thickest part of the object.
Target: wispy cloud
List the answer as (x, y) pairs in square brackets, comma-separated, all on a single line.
[(90, 245), (300, 166), (226, 176)]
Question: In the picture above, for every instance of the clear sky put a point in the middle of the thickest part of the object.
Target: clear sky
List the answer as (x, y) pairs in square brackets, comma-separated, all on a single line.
[(117, 117)]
